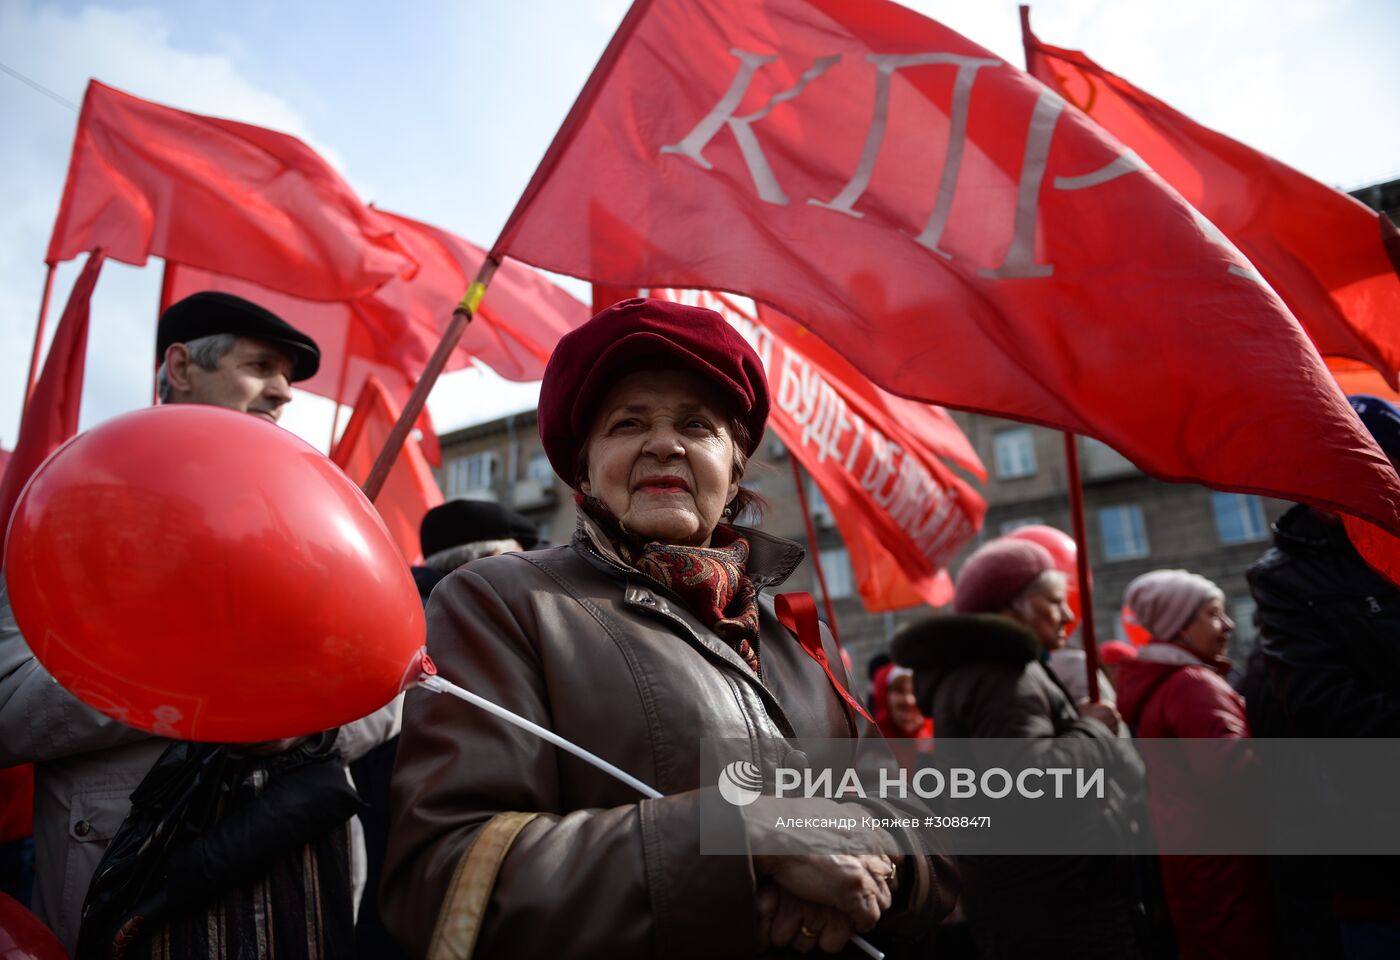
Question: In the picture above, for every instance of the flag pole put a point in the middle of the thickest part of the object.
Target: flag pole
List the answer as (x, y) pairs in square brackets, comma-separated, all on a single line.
[(38, 339), (1086, 594), (411, 409), (816, 553)]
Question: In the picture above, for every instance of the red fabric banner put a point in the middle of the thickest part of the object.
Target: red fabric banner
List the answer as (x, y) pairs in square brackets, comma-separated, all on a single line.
[(410, 490), (223, 196), (392, 333), (1321, 250), (52, 414), (901, 512), (945, 223)]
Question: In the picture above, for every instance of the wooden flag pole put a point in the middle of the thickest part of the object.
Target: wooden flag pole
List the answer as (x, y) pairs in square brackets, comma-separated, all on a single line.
[(460, 318), (816, 552), (1086, 594), (38, 339)]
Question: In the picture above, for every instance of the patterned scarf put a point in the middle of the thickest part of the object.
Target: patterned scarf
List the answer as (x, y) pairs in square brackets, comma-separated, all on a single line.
[(713, 581)]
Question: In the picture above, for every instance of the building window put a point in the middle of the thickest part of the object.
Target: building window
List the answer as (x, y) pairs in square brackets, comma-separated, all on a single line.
[(836, 568), (542, 532), (1008, 526), (473, 474), (1124, 535), (1239, 518), (1101, 460), (539, 470), (1014, 452), (816, 503)]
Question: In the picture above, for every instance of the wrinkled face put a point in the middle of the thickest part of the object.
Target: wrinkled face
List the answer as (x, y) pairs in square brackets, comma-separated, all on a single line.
[(1045, 610), (1208, 632), (254, 377), (904, 708), (661, 456)]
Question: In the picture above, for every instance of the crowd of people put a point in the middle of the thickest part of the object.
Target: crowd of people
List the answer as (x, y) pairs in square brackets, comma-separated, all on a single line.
[(432, 829)]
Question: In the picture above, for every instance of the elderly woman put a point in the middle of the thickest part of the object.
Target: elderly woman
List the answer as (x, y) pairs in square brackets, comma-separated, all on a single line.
[(981, 673), (1221, 906), (646, 634)]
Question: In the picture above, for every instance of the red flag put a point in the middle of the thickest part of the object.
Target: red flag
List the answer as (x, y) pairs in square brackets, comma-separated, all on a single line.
[(410, 490), (223, 196), (1353, 376), (52, 414), (350, 352), (902, 514), (392, 333), (946, 224), (1321, 250)]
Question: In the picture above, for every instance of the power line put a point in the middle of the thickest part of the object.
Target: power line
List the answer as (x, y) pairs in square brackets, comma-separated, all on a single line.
[(40, 87)]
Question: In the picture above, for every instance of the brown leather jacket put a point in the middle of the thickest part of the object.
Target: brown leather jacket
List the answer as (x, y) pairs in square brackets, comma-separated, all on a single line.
[(575, 640)]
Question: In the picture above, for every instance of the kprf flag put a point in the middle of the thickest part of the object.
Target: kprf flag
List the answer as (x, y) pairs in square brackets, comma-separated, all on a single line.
[(948, 224), (51, 415), (228, 197), (1323, 252), (410, 491), (902, 513)]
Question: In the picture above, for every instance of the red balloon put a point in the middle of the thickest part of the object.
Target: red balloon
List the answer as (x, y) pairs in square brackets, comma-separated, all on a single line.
[(205, 575), (23, 936), (1065, 553)]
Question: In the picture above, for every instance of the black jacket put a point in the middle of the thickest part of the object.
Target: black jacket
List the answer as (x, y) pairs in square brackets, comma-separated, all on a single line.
[(1327, 662)]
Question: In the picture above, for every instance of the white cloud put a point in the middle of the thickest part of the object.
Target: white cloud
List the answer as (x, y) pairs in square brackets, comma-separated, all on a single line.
[(132, 50)]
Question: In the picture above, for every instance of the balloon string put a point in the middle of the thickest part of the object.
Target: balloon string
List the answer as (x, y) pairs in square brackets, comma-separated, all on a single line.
[(438, 684)]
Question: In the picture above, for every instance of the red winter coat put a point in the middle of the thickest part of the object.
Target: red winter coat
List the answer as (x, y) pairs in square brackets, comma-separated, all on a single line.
[(1221, 906)]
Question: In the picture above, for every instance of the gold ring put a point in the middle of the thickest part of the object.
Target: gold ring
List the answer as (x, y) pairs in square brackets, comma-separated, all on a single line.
[(807, 931), (889, 877)]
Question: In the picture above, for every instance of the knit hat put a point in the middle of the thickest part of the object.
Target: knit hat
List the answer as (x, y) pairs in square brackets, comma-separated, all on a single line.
[(1164, 601), (998, 571)]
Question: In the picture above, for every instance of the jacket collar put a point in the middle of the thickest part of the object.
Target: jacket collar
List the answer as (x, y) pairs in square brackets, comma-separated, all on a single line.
[(771, 559), (1175, 655), (942, 643)]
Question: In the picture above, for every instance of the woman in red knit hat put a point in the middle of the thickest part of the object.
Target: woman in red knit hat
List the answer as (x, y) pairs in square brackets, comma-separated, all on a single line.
[(646, 634), (981, 673)]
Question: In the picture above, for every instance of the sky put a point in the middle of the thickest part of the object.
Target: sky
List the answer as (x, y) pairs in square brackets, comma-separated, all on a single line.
[(441, 109)]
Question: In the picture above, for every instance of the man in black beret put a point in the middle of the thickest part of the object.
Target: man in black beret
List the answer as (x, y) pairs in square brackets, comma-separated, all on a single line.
[(460, 531), (225, 351), (219, 349)]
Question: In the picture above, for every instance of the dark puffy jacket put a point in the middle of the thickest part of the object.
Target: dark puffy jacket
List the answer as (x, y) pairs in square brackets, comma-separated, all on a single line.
[(1328, 658), (1327, 664)]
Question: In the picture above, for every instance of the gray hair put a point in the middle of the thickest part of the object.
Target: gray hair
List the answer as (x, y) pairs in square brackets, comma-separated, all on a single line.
[(445, 561), (205, 352), (1022, 604)]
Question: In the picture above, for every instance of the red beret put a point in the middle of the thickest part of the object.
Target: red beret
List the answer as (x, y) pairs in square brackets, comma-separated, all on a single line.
[(996, 572), (589, 360)]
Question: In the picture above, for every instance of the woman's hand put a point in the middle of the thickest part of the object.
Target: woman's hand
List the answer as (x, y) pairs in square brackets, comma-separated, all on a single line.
[(784, 919), (856, 887), (1104, 713)]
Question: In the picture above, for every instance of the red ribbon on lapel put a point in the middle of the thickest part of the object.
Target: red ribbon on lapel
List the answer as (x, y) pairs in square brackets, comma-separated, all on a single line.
[(798, 613)]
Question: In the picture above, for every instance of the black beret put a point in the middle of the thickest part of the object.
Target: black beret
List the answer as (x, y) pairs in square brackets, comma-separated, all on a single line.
[(210, 312), (470, 521)]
